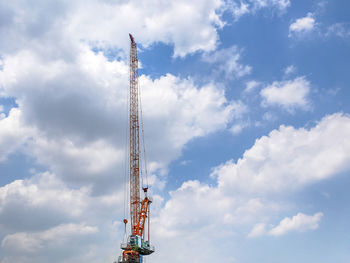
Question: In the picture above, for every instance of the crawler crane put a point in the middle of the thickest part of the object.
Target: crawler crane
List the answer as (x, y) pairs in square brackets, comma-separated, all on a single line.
[(137, 245)]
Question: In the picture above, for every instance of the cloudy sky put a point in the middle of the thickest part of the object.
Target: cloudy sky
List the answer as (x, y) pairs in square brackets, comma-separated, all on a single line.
[(247, 129)]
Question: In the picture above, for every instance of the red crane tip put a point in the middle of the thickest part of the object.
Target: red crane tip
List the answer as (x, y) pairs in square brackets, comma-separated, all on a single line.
[(131, 38)]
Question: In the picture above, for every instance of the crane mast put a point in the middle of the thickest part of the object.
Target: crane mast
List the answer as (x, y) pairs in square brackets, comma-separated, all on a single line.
[(134, 138), (136, 246)]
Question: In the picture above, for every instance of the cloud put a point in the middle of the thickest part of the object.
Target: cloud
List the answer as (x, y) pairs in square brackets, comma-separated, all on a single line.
[(282, 5), (240, 8), (70, 118), (226, 63), (290, 70), (242, 195), (58, 244), (338, 29), (268, 116), (43, 196), (238, 128), (77, 111), (291, 158), (40, 217), (289, 95), (298, 223), (251, 86), (302, 25), (189, 26), (196, 208), (32, 242), (12, 134), (258, 230), (225, 209)]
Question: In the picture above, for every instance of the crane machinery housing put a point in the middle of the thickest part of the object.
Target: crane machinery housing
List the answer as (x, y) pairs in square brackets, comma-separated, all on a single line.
[(137, 244)]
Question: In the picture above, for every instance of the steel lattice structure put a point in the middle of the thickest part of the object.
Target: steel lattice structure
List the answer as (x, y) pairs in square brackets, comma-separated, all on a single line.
[(134, 138), (137, 246)]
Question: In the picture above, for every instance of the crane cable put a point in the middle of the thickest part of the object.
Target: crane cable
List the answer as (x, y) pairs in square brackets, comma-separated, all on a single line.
[(143, 142), (126, 162)]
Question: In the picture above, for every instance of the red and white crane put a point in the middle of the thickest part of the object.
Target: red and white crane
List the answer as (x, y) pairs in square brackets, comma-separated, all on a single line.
[(137, 245)]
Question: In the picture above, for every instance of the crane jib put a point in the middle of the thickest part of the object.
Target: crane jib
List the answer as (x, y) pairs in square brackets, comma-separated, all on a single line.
[(137, 245)]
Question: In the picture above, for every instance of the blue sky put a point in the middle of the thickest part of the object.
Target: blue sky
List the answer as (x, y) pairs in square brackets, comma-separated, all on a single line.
[(246, 120)]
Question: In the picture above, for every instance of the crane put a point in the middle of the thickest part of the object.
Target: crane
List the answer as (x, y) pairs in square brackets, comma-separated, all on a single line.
[(137, 245)]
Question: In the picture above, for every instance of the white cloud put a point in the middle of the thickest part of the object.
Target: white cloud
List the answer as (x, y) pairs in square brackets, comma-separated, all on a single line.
[(290, 70), (289, 95), (299, 222), (302, 25), (238, 127), (73, 101), (46, 197), (258, 230), (251, 86), (226, 62), (41, 216), (196, 208), (290, 158), (33, 242), (223, 210), (80, 126), (244, 195), (190, 26), (12, 134), (338, 29), (79, 163), (282, 5), (268, 116), (240, 8)]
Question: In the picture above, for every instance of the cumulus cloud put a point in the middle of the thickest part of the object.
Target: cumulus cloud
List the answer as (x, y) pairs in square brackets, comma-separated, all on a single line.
[(298, 223), (40, 217), (185, 111), (289, 95), (338, 29), (71, 102), (251, 86), (226, 63), (240, 8), (80, 125), (258, 230), (290, 158), (302, 25), (72, 99), (238, 128), (197, 211), (58, 244), (32, 242), (190, 26), (43, 196), (12, 134)]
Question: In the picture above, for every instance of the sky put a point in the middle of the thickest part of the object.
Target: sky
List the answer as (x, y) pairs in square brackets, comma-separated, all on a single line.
[(246, 117)]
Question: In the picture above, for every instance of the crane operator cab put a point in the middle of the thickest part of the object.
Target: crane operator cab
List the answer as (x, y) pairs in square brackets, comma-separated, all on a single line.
[(136, 243)]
